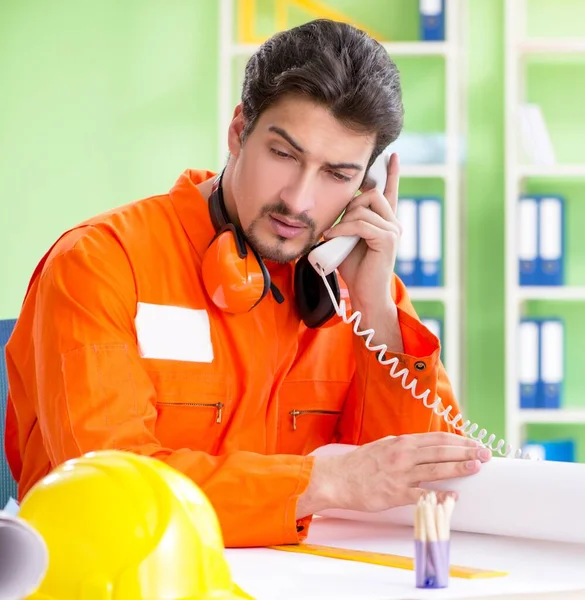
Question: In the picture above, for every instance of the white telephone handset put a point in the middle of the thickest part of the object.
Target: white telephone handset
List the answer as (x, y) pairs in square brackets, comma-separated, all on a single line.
[(328, 256), (325, 258)]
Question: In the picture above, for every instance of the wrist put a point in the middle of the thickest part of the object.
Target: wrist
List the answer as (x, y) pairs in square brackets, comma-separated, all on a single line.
[(322, 492), (382, 317), (377, 308)]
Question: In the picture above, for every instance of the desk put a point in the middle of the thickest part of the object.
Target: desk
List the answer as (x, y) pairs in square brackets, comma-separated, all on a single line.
[(536, 569)]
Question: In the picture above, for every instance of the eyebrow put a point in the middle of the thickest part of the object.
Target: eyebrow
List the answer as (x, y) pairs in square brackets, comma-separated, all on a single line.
[(282, 133)]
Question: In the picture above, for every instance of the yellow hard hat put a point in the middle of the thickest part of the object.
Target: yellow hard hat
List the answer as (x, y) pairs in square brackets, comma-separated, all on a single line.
[(120, 526)]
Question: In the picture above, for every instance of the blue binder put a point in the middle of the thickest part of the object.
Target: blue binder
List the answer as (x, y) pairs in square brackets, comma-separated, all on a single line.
[(527, 235), (430, 242), (551, 240), (407, 255), (552, 359), (557, 450), (432, 20), (529, 362)]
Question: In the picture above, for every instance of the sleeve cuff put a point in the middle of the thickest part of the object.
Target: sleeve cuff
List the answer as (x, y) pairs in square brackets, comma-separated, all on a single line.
[(417, 340), (421, 348), (296, 530), (303, 527)]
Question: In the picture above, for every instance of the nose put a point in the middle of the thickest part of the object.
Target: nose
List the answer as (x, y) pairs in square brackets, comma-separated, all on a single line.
[(299, 193)]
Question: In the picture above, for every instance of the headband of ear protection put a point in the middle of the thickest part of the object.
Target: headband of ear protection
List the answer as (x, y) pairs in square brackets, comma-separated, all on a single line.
[(236, 278)]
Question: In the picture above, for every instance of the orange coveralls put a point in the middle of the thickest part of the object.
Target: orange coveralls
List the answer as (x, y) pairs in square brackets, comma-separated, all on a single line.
[(239, 425)]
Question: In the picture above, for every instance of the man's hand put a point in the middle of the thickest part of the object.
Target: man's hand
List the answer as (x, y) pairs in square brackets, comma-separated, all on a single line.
[(388, 472), (368, 270)]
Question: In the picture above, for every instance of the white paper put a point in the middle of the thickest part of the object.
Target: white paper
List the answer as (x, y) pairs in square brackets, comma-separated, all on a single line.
[(532, 566), (513, 497), (24, 558)]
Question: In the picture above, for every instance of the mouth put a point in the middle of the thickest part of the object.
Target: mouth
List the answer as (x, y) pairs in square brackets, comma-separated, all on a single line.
[(288, 222), (286, 228)]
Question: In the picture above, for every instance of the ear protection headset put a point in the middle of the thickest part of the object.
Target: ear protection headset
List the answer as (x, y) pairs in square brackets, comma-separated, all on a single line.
[(236, 278)]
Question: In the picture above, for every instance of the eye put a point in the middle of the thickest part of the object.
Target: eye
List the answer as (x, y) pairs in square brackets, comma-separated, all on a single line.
[(340, 176), (279, 153)]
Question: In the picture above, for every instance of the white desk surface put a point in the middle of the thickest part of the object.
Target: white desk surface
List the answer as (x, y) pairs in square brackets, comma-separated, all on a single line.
[(536, 569)]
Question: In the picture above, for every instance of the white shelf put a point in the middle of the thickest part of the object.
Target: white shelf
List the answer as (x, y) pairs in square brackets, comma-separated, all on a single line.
[(243, 49), (559, 415), (440, 294), (552, 46), (393, 49), (567, 170), (561, 292), (416, 48), (429, 171)]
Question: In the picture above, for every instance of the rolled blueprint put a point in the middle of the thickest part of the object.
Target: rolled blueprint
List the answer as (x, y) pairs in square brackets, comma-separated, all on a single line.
[(24, 558), (535, 499)]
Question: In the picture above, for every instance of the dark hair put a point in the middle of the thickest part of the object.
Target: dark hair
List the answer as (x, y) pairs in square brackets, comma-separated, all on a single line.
[(334, 64)]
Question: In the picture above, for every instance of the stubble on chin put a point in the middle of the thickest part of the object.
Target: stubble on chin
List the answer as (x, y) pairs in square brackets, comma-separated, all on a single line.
[(276, 251)]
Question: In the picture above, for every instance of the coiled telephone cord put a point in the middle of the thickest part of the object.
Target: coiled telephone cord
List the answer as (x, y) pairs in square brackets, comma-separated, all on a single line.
[(467, 428)]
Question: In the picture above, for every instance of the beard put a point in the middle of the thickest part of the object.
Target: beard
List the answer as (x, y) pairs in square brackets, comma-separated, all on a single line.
[(276, 250)]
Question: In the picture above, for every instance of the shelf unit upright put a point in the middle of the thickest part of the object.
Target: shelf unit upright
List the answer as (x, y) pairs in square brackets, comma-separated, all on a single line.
[(451, 172), (518, 49)]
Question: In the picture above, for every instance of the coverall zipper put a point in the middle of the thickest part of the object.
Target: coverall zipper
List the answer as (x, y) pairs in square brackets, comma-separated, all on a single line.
[(217, 405), (296, 413)]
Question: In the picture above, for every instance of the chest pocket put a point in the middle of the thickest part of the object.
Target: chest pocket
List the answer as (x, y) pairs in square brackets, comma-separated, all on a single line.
[(192, 404), (308, 414)]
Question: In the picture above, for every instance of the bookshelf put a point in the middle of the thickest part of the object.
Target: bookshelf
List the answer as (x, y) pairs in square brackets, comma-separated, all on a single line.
[(520, 177), (551, 46), (566, 416), (449, 174), (550, 171)]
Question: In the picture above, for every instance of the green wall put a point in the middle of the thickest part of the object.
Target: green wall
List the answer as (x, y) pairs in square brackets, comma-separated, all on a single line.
[(103, 103)]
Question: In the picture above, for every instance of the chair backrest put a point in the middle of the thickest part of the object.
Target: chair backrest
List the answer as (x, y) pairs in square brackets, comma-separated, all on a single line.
[(7, 483)]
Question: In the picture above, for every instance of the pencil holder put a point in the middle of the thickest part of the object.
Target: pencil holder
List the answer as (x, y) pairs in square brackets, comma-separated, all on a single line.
[(431, 563)]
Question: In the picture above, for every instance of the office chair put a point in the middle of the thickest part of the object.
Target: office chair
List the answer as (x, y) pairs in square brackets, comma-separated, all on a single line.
[(7, 483)]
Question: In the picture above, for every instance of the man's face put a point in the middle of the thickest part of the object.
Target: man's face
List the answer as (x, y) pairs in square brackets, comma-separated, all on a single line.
[(294, 175)]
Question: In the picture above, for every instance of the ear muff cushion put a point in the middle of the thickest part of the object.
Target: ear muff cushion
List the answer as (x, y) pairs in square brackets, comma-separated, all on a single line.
[(234, 275), (311, 297), (235, 283)]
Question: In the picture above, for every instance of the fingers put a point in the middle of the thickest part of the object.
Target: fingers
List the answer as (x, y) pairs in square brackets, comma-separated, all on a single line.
[(377, 238), (380, 234), (372, 208), (441, 454), (445, 470), (442, 438), (391, 189), (361, 213), (375, 202)]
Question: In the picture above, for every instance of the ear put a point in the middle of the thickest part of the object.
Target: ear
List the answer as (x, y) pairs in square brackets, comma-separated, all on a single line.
[(235, 131)]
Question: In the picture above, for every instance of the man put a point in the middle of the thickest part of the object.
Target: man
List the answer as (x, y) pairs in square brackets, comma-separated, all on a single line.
[(137, 334)]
